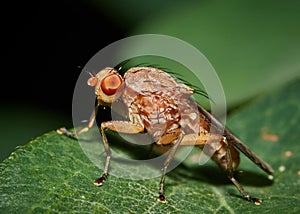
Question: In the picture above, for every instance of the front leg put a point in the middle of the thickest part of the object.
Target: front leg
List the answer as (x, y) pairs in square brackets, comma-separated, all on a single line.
[(64, 131), (118, 126)]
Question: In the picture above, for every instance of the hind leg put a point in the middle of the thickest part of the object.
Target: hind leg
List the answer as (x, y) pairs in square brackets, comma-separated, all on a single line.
[(229, 172)]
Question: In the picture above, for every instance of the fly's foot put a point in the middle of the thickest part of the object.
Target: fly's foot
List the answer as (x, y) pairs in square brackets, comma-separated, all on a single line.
[(256, 201), (161, 198), (100, 180), (64, 131)]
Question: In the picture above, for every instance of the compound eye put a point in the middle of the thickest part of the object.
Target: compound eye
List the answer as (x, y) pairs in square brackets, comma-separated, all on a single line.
[(111, 84)]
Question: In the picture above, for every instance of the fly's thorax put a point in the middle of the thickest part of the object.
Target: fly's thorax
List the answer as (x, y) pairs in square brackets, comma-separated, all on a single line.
[(159, 115), (153, 80), (155, 99), (190, 116)]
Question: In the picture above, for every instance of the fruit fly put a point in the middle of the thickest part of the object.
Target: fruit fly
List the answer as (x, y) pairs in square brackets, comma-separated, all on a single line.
[(161, 106)]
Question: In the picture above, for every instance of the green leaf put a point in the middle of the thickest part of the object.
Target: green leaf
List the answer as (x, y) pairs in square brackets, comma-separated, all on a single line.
[(51, 174)]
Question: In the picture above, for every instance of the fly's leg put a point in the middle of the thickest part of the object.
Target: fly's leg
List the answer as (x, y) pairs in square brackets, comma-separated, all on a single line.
[(100, 180), (161, 197), (119, 126), (229, 172), (85, 129)]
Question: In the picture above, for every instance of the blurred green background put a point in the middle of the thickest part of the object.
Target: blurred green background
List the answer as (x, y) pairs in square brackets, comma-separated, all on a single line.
[(253, 45)]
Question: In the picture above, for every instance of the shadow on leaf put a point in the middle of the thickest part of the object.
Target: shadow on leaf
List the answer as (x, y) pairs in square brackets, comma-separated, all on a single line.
[(216, 176)]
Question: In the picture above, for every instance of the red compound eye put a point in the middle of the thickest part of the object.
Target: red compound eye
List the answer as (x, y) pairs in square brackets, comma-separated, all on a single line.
[(111, 84)]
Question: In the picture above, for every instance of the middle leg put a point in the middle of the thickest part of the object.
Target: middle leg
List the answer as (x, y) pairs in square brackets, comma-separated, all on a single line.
[(120, 126), (172, 152)]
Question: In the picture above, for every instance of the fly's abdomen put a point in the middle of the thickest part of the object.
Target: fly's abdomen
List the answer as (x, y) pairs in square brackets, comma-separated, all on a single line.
[(218, 152)]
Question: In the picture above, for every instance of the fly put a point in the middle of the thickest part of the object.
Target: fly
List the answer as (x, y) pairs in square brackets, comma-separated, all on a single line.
[(158, 104)]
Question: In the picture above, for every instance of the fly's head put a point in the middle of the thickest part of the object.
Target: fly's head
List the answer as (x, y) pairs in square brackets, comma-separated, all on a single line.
[(109, 85)]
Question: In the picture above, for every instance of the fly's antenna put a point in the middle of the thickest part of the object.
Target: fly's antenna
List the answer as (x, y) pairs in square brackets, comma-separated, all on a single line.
[(92, 74)]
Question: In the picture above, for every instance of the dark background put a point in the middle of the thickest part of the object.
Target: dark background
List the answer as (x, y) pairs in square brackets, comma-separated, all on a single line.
[(44, 46)]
